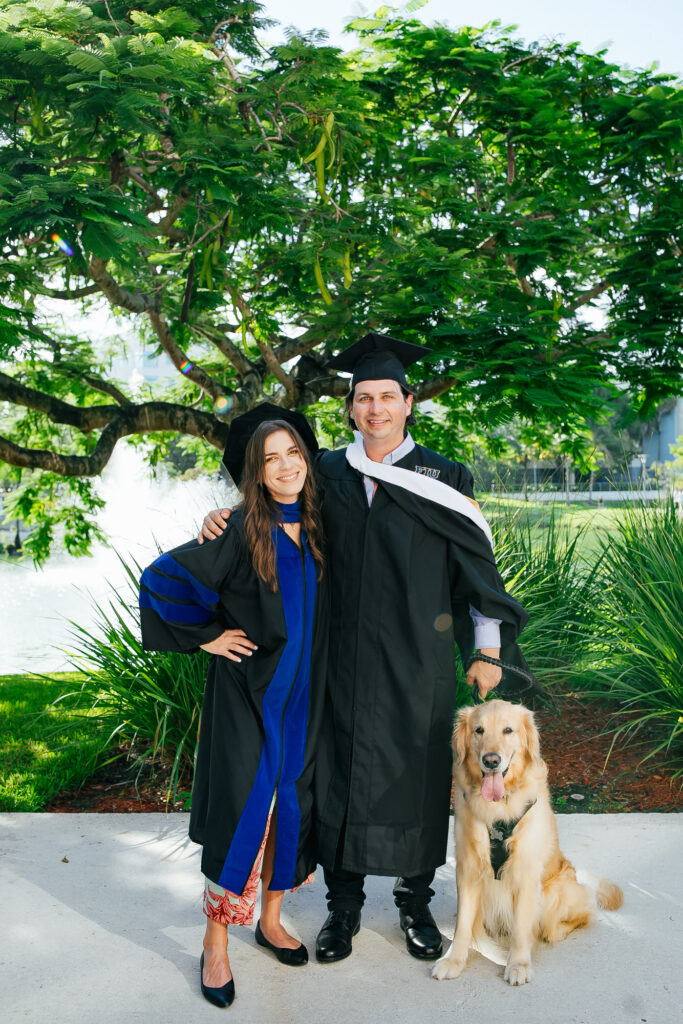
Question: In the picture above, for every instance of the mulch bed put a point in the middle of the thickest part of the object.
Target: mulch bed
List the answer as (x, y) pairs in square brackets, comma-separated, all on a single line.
[(584, 773), (576, 742), (123, 786)]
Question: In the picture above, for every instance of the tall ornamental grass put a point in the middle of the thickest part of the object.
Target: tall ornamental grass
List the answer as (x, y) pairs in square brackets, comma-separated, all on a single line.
[(544, 569), (608, 623), (149, 699), (637, 656)]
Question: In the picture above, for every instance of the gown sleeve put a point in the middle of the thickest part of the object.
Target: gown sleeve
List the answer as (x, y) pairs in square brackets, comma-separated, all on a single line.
[(462, 480), (180, 593)]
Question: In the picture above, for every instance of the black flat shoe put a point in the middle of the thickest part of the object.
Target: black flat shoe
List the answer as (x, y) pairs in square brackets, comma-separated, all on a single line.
[(423, 938), (291, 957), (334, 941), (222, 996)]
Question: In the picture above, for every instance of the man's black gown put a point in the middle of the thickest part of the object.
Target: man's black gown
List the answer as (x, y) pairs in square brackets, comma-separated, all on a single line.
[(261, 716), (402, 574)]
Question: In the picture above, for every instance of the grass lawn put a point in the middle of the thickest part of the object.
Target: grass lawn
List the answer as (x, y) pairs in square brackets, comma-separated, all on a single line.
[(595, 524), (41, 753)]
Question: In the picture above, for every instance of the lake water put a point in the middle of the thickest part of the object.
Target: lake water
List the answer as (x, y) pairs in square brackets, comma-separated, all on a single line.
[(37, 604)]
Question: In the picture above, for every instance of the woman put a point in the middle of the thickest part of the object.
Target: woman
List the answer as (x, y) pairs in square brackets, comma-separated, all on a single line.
[(254, 602)]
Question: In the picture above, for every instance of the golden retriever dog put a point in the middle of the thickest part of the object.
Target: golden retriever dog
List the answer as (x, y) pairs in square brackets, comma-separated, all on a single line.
[(514, 885)]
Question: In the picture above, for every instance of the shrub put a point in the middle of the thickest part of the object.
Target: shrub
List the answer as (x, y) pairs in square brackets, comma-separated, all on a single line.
[(610, 624), (149, 699), (544, 569), (638, 649)]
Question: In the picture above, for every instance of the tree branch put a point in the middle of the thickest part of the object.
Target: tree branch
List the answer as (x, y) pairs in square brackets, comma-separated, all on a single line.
[(510, 156), (193, 372), (187, 295), (587, 342), (134, 302), (74, 293), (273, 365), (458, 106), (592, 293), (523, 282), (243, 105), (138, 302), (103, 386), (432, 387), (675, 247), (489, 244), (149, 416), (194, 242), (520, 60), (54, 462), (227, 348), (92, 417), (165, 225), (269, 356), (143, 419), (291, 347), (312, 390), (134, 173)]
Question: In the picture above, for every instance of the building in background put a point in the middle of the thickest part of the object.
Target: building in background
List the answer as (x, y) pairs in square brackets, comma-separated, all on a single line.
[(666, 430)]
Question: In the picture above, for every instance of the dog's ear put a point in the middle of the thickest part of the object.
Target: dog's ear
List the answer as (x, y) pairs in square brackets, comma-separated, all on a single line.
[(461, 736), (530, 732)]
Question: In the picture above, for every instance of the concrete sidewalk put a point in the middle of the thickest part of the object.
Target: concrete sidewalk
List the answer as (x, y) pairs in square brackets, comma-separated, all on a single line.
[(101, 922)]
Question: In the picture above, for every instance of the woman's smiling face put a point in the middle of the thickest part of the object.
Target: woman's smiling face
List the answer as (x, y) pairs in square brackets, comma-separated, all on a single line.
[(284, 467)]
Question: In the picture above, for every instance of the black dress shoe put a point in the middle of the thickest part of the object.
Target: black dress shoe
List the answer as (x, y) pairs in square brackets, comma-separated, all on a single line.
[(423, 938), (334, 941), (222, 996), (291, 957)]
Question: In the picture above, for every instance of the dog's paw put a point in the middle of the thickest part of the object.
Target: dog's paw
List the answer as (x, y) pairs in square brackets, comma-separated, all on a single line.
[(445, 968), (518, 973)]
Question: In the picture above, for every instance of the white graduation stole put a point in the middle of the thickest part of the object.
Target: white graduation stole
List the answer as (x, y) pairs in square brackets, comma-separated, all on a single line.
[(419, 483)]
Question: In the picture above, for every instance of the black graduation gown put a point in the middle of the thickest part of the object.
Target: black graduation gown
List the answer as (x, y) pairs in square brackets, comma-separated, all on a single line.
[(261, 716), (402, 573)]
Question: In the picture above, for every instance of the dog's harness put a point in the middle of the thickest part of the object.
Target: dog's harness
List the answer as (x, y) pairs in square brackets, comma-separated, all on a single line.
[(499, 833)]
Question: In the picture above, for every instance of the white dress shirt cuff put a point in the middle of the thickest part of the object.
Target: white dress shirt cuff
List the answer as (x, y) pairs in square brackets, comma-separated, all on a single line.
[(486, 631)]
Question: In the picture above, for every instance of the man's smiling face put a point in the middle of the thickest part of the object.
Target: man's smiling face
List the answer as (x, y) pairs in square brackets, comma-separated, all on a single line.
[(380, 410)]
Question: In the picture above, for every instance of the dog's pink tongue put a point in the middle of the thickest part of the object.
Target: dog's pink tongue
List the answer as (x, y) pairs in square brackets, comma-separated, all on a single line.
[(493, 786)]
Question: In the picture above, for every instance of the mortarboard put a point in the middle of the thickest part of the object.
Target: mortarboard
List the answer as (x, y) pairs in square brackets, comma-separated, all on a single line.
[(242, 428), (378, 357)]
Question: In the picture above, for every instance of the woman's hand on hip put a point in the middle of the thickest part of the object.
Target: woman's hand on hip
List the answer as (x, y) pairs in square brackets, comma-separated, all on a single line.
[(231, 643)]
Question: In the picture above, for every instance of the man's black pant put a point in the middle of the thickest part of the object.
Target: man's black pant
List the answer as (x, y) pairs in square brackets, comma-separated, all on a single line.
[(345, 889)]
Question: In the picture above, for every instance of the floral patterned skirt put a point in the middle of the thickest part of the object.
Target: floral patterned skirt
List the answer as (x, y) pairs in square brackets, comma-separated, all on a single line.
[(227, 907)]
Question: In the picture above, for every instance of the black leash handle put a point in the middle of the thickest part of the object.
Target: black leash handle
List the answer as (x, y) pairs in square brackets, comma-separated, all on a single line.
[(531, 682)]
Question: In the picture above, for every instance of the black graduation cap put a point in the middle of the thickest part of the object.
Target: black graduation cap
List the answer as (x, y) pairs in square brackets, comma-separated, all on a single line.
[(242, 428), (378, 357)]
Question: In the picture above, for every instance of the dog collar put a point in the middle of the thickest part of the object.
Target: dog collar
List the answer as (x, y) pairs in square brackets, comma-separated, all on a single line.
[(499, 833)]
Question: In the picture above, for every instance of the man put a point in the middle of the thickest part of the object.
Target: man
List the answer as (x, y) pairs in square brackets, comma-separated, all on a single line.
[(411, 572)]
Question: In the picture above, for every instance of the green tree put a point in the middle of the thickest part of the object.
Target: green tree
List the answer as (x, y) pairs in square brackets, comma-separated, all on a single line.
[(250, 213)]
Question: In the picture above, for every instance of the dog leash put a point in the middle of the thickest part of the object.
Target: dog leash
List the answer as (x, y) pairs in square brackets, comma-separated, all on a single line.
[(531, 681)]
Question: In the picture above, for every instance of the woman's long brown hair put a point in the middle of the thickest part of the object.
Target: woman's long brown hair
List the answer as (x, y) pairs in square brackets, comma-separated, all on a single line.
[(260, 513)]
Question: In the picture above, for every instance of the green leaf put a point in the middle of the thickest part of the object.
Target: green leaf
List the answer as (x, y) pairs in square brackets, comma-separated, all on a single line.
[(86, 61)]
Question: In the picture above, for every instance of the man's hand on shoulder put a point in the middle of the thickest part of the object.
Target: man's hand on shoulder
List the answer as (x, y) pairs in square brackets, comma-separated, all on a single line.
[(214, 524)]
